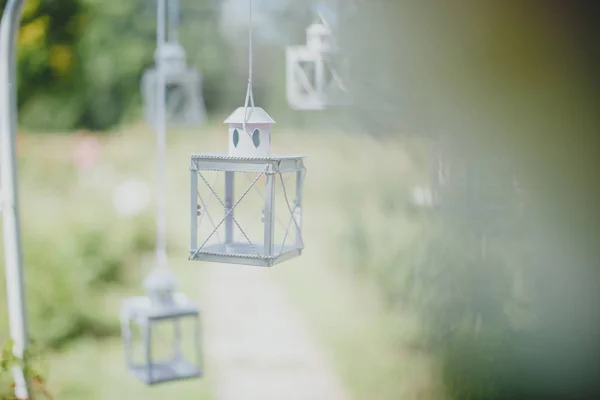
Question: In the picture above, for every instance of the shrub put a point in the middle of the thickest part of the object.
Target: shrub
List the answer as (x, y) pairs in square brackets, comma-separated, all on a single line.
[(471, 307), (71, 272), (34, 368), (463, 299)]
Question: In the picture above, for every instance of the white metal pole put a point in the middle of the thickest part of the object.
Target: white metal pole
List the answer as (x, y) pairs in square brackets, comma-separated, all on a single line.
[(161, 209), (10, 219)]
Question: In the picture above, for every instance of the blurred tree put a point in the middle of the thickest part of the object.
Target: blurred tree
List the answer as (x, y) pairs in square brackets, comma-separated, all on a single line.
[(46, 54), (80, 61)]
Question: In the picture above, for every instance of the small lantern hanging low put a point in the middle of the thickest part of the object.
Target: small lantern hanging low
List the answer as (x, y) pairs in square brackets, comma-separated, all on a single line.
[(161, 308), (261, 231), (162, 311)]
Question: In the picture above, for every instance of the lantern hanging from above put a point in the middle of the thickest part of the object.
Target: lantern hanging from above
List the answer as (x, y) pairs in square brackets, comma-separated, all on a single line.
[(184, 100), (313, 80), (150, 356), (246, 205)]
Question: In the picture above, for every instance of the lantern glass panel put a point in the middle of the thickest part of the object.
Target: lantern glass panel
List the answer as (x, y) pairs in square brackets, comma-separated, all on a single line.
[(161, 344), (285, 211), (172, 343), (246, 210), (176, 100), (136, 352)]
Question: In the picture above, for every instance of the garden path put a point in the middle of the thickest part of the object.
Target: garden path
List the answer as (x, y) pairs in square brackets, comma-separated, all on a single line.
[(257, 344)]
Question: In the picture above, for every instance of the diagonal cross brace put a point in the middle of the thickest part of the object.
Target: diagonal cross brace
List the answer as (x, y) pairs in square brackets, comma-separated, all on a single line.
[(263, 198), (298, 230), (304, 81), (229, 212), (206, 212)]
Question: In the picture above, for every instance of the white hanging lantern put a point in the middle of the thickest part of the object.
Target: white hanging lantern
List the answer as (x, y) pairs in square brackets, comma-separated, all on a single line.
[(313, 81), (259, 222), (161, 308), (261, 230), (185, 103)]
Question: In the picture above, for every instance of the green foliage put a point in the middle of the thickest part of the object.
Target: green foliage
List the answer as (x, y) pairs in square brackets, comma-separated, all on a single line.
[(463, 301), (80, 61), (77, 252), (69, 273), (80, 259), (33, 367), (471, 306), (47, 63)]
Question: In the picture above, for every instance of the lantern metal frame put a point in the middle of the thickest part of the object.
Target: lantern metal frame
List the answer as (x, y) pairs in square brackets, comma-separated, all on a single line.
[(266, 253), (143, 312)]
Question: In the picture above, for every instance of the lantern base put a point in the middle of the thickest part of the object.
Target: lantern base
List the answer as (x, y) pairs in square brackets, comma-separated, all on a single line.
[(244, 253), (174, 370)]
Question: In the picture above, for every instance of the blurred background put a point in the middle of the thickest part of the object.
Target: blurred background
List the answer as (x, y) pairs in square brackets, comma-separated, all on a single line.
[(492, 295)]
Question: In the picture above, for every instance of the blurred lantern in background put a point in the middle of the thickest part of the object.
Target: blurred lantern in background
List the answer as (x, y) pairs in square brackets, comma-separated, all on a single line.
[(184, 100), (155, 349), (313, 79), (161, 359)]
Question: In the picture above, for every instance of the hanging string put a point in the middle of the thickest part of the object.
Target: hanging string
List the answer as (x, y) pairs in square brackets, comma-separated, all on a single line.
[(173, 26), (249, 95), (161, 209)]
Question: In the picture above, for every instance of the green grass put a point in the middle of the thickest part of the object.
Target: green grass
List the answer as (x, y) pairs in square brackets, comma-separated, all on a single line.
[(376, 349), (401, 297), (81, 259), (94, 370)]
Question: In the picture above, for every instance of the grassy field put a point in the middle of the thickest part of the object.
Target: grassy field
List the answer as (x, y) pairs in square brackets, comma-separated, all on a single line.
[(375, 348), (81, 258)]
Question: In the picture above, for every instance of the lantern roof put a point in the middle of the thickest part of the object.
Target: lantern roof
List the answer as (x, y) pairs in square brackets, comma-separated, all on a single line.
[(256, 115), (318, 29), (160, 280)]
